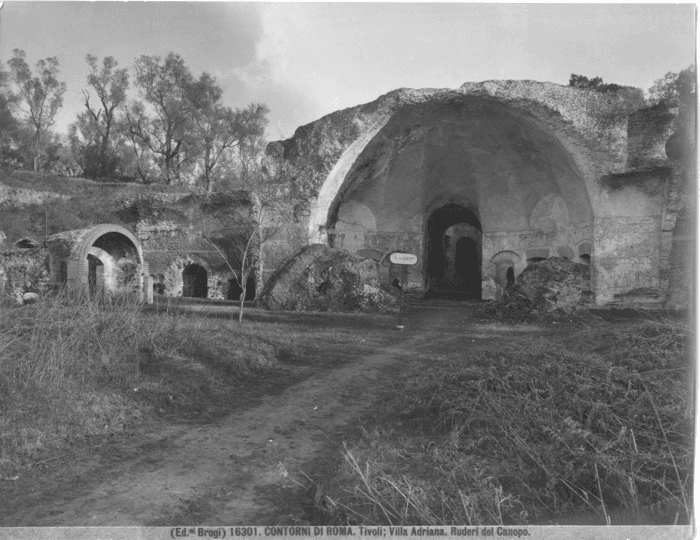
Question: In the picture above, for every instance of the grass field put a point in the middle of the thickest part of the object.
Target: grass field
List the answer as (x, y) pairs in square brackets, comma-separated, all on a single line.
[(76, 372), (573, 423), (583, 426)]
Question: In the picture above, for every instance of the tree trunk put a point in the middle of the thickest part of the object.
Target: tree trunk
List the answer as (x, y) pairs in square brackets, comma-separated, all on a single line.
[(37, 149), (103, 151), (240, 307), (207, 170)]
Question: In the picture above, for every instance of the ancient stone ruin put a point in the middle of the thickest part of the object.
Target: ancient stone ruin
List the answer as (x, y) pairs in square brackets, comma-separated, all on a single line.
[(165, 250), (477, 182), (480, 180), (320, 278), (178, 248), (101, 260)]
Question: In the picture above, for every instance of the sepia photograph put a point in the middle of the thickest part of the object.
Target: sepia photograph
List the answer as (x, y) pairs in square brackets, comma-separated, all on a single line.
[(375, 269)]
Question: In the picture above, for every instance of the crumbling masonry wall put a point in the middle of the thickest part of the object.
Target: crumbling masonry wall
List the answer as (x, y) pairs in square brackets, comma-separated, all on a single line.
[(545, 169), (24, 274)]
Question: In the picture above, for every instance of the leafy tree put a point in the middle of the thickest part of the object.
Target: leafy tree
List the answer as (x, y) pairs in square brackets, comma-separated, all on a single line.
[(84, 142), (163, 85), (219, 128), (673, 87), (596, 83), (110, 85), (129, 128), (42, 95), (679, 89), (8, 123)]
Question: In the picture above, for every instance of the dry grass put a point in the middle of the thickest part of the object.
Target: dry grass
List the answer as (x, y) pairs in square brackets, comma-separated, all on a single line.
[(596, 422), (73, 369), (75, 372)]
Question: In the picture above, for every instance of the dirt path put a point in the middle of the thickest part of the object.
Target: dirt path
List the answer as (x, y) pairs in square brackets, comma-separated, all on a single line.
[(219, 473)]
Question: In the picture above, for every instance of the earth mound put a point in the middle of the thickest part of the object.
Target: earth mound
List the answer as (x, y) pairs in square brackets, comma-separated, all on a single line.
[(320, 278), (553, 286)]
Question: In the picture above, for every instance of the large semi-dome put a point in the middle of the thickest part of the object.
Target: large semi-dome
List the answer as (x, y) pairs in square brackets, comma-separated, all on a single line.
[(479, 180)]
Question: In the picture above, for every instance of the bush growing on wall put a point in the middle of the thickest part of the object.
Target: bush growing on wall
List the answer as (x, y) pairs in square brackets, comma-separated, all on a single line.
[(596, 83)]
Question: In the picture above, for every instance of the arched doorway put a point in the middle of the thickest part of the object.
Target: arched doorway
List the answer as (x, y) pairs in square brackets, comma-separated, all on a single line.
[(235, 290), (250, 287), (95, 275), (105, 259), (453, 253), (194, 282), (510, 277), (467, 266)]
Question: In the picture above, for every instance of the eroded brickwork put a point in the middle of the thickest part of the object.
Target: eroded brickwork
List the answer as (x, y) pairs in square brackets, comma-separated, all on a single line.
[(24, 274)]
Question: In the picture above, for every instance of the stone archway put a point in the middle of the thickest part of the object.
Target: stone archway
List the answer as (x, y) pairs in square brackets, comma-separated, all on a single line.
[(95, 276), (106, 258), (194, 281), (452, 252), (548, 166)]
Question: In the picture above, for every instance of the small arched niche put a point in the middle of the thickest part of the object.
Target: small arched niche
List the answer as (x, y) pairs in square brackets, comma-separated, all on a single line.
[(536, 255), (584, 252), (505, 262), (565, 252)]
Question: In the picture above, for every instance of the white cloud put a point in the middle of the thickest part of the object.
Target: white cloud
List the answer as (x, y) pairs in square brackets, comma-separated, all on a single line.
[(274, 48)]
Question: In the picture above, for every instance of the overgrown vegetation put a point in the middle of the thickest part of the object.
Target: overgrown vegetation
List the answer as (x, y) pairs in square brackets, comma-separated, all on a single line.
[(596, 83), (593, 422), (74, 369), (84, 203), (74, 373), (178, 130)]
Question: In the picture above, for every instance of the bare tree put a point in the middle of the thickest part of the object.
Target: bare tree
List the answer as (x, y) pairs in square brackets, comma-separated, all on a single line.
[(262, 208), (42, 95)]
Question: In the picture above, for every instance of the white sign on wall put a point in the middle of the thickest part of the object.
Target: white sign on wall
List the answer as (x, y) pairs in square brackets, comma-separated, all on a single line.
[(403, 258)]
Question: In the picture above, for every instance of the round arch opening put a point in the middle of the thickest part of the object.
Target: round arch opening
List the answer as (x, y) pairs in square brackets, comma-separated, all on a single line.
[(452, 253), (437, 173), (195, 281), (113, 261), (95, 275), (235, 290)]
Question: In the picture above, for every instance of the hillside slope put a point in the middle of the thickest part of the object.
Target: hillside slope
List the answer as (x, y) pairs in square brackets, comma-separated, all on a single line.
[(39, 205)]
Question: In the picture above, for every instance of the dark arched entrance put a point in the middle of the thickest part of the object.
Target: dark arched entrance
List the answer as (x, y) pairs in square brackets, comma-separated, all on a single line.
[(235, 289), (250, 287), (95, 275), (453, 253), (467, 266), (510, 277), (194, 281)]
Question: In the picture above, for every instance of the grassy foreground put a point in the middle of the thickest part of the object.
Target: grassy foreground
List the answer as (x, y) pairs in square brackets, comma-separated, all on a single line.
[(596, 424), (74, 373)]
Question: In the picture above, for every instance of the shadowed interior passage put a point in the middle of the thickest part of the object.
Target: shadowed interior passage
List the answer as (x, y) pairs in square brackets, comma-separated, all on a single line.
[(453, 253), (194, 281)]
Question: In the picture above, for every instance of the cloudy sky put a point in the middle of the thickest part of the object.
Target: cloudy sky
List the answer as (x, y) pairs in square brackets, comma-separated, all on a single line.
[(307, 60)]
